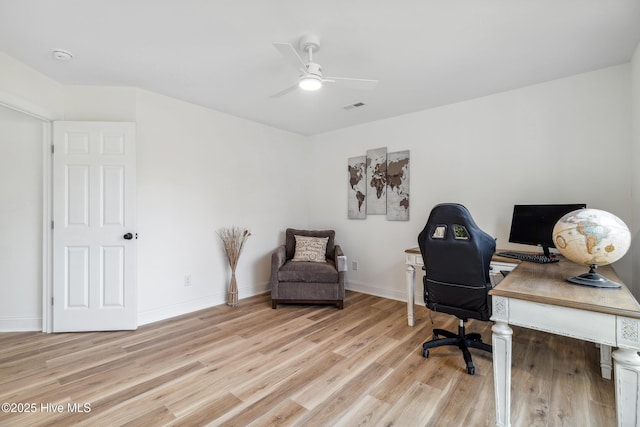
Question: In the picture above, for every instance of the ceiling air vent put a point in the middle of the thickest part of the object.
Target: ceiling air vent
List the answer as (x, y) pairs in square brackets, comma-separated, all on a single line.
[(352, 106)]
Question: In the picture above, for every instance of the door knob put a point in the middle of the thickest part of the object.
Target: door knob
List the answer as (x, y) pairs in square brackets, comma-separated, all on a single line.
[(128, 236)]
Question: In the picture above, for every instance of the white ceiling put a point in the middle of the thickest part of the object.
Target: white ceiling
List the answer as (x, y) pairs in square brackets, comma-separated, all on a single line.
[(219, 53)]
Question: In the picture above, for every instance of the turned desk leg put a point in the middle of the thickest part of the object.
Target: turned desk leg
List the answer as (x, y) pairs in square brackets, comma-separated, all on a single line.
[(411, 289), (501, 341), (627, 378)]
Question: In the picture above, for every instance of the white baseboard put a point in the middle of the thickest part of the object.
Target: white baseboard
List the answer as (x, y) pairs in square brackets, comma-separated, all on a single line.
[(24, 324), (379, 291), (20, 324), (173, 310)]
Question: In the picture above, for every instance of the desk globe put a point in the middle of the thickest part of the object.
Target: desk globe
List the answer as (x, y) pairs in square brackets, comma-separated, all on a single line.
[(592, 237)]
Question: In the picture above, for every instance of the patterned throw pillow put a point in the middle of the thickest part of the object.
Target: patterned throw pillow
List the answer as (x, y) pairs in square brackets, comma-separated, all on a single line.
[(310, 248)]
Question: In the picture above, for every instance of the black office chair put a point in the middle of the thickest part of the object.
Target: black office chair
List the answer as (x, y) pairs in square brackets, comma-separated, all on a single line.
[(456, 255)]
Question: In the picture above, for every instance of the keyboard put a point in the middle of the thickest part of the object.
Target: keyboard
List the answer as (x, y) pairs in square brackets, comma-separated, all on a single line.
[(537, 258)]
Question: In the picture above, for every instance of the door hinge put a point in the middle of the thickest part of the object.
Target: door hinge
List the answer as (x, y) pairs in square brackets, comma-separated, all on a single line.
[(52, 149), (52, 224), (51, 300)]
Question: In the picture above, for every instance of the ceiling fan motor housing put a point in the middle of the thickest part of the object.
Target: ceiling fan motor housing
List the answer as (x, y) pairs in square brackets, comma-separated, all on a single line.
[(314, 68)]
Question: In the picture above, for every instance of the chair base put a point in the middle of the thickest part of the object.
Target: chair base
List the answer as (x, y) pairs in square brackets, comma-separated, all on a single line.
[(275, 302), (462, 340)]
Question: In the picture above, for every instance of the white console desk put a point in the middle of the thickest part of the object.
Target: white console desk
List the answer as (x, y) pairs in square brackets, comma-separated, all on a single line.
[(537, 296)]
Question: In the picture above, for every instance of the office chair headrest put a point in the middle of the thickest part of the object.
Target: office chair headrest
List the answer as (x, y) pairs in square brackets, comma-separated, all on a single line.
[(451, 213), (451, 228)]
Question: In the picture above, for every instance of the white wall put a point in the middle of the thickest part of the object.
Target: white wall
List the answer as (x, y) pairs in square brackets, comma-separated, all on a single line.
[(563, 141), (100, 103), (198, 171), (20, 221), (635, 158), (22, 86)]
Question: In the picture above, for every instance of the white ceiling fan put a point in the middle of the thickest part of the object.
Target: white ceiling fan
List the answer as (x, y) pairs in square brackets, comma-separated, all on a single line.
[(311, 77)]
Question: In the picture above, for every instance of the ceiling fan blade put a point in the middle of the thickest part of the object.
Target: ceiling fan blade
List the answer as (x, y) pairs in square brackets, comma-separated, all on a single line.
[(285, 91), (291, 55), (361, 84)]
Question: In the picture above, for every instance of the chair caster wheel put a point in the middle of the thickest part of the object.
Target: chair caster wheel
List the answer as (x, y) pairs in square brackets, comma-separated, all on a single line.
[(471, 370), (425, 353)]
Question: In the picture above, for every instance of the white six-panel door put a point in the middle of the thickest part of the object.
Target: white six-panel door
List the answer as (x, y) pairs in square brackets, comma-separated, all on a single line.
[(94, 234)]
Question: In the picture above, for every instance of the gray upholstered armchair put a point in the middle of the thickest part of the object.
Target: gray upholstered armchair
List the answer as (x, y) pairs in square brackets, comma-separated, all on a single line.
[(295, 280)]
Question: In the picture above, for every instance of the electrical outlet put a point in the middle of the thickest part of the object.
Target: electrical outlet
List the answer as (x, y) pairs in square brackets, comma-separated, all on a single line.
[(354, 265), (187, 280)]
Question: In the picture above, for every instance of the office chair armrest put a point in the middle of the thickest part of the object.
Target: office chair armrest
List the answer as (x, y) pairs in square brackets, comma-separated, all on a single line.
[(340, 259)]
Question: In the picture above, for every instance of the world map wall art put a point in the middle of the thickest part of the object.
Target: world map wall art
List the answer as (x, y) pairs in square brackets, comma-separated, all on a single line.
[(379, 185)]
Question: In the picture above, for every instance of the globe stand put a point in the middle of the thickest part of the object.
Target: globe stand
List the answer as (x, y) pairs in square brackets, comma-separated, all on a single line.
[(593, 279)]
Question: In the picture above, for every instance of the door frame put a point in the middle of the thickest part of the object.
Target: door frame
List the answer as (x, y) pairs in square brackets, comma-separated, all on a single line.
[(47, 117), (47, 230)]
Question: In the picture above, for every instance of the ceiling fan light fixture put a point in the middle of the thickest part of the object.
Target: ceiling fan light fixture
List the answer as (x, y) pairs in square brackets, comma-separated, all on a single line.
[(310, 83)]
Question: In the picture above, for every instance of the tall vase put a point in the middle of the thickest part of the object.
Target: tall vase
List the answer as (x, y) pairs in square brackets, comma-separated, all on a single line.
[(232, 294)]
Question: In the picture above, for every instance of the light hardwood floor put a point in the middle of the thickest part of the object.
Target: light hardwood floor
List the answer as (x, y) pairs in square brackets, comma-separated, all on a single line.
[(297, 365)]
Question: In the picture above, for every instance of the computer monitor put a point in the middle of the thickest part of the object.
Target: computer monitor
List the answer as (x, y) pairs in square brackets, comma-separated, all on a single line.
[(533, 224)]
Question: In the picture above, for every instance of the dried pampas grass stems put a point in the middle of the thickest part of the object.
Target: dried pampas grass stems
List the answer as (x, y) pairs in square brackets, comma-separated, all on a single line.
[(233, 240)]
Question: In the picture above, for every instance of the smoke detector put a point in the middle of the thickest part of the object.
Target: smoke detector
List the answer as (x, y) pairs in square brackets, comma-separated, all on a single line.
[(62, 55)]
